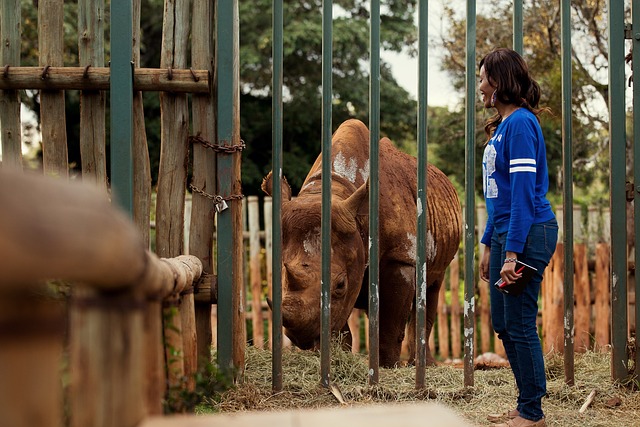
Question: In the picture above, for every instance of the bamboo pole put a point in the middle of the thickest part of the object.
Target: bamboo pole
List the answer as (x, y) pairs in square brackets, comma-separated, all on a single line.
[(52, 104), (56, 78), (11, 138), (582, 296), (92, 103), (602, 299)]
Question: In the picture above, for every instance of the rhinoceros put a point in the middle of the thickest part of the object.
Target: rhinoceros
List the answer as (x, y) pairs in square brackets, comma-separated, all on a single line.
[(301, 241)]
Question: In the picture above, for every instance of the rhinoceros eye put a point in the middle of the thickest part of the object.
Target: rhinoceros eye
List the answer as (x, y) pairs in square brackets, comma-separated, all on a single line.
[(341, 287)]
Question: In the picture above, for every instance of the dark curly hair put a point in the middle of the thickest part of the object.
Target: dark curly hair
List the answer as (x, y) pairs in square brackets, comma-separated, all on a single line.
[(509, 73)]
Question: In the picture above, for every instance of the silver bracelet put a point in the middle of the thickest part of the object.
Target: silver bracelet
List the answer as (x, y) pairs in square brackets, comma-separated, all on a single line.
[(507, 260)]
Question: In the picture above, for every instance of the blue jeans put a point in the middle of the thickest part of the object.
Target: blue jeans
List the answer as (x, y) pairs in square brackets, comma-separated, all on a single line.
[(514, 317)]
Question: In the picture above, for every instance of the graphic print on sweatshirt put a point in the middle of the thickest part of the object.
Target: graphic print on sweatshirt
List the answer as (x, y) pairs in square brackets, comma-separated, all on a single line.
[(489, 185)]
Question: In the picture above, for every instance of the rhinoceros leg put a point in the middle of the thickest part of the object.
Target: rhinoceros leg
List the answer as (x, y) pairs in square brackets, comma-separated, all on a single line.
[(396, 298), (431, 310)]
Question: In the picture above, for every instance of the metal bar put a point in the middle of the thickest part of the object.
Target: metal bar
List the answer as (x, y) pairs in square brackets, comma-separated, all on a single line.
[(226, 69), (517, 26), (422, 215), (276, 160), (567, 162), (635, 16), (121, 100), (325, 295), (617, 202), (374, 189), (469, 219)]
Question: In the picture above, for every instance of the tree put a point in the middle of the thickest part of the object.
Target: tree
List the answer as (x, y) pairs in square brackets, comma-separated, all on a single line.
[(542, 52), (302, 80)]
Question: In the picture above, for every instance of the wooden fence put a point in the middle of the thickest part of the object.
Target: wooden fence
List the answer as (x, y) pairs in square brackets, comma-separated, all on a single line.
[(591, 290)]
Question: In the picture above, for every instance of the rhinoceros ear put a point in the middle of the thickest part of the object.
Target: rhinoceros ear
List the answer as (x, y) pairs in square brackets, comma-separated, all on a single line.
[(358, 202), (267, 186)]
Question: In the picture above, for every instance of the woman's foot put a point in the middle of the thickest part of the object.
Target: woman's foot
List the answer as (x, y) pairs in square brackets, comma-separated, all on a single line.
[(522, 422), (505, 416)]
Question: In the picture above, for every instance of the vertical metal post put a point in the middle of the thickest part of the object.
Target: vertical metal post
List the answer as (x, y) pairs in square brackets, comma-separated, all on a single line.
[(635, 16), (422, 213), (121, 100), (517, 26), (617, 180), (470, 206), (567, 163), (227, 102), (374, 188), (276, 279), (325, 296)]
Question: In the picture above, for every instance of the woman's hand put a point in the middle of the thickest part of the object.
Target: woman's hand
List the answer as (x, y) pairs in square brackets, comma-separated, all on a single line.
[(484, 263), (508, 272)]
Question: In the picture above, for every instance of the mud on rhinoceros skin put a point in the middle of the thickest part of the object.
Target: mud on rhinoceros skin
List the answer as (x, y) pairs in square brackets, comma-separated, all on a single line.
[(301, 252)]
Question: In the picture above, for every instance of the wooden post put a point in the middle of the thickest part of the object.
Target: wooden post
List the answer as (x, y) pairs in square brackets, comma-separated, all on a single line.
[(483, 289), (107, 384), (11, 138), (354, 327), (204, 170), (456, 308), (602, 299), (141, 162), (554, 333), (52, 112), (268, 247), (31, 334), (443, 324), (582, 295), (255, 267), (92, 103)]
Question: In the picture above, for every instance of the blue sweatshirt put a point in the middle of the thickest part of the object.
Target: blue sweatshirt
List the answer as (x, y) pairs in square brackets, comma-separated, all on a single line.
[(515, 179)]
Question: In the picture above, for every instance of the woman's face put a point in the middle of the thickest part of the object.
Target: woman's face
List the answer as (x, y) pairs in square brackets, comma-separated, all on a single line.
[(486, 88)]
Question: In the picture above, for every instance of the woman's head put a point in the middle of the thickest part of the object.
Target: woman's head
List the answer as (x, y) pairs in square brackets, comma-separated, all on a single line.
[(509, 74), (505, 75)]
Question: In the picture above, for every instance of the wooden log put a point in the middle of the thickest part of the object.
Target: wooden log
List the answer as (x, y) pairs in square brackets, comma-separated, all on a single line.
[(52, 105), (11, 137), (31, 336), (55, 229), (107, 381), (443, 324), (582, 297), (193, 268), (92, 103), (255, 267), (204, 171), (56, 78), (456, 308), (602, 298)]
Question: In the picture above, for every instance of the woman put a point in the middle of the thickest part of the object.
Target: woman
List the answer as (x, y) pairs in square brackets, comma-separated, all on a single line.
[(521, 224)]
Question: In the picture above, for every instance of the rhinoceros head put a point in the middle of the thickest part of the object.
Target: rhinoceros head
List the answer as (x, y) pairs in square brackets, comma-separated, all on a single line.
[(301, 256)]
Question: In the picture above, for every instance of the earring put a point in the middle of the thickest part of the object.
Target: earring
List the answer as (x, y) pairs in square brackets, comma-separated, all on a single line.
[(493, 98)]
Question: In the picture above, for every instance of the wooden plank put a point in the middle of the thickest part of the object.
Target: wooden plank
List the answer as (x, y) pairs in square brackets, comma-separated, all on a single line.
[(11, 137), (602, 299), (52, 105), (57, 77), (410, 414), (582, 297), (92, 103)]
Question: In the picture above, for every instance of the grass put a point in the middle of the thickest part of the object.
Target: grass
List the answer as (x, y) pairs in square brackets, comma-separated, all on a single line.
[(493, 391)]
